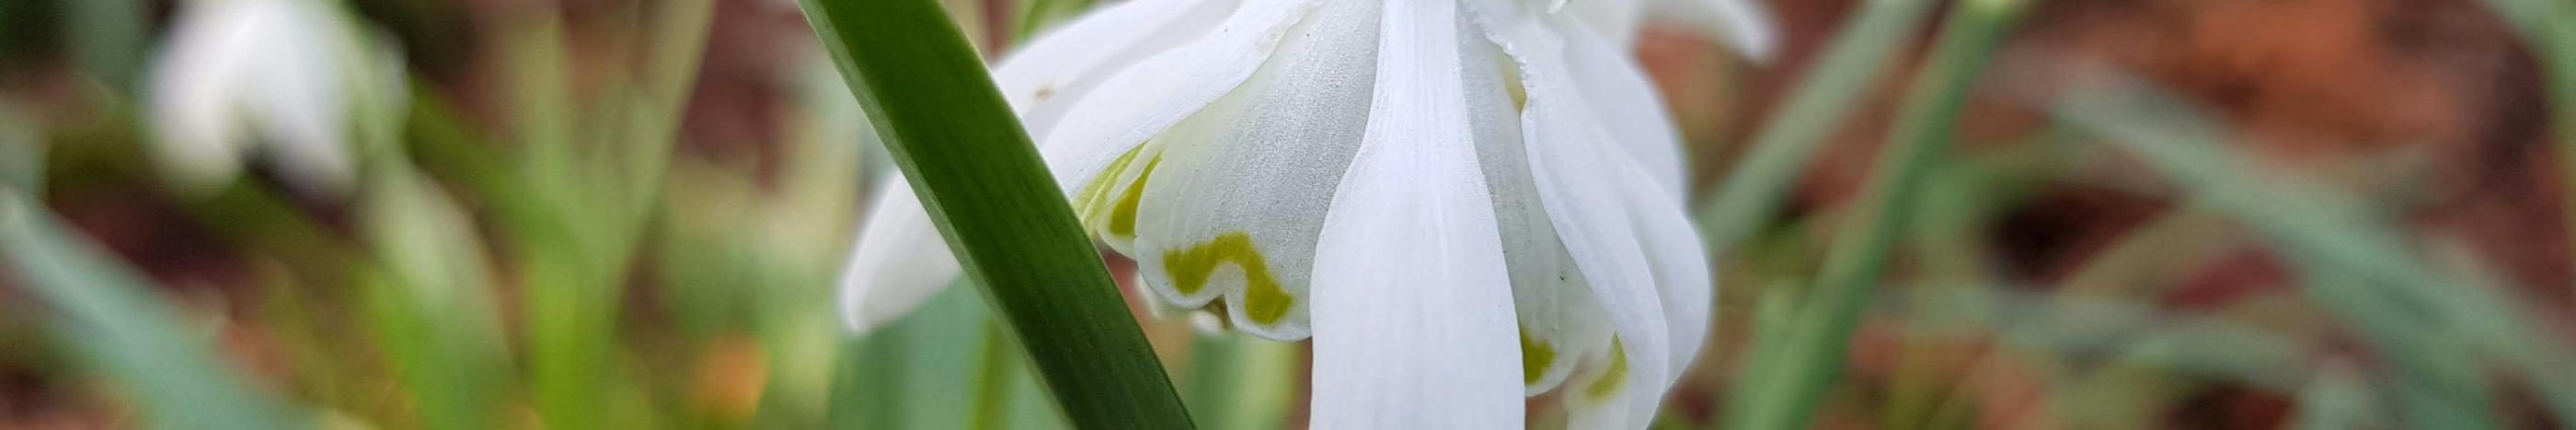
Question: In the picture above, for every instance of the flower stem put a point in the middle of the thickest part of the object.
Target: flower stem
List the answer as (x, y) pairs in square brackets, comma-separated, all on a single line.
[(991, 196), (994, 372)]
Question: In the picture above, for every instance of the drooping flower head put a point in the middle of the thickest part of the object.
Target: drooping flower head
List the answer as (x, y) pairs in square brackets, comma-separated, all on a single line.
[(284, 78), (1462, 202)]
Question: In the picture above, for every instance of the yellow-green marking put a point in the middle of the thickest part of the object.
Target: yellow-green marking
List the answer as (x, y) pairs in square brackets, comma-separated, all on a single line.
[(1614, 377), (1263, 300), (1536, 355)]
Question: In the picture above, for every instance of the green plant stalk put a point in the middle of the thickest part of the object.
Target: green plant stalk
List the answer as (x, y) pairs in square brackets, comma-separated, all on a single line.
[(591, 201), (109, 319), (994, 370), (956, 141), (1852, 63), (430, 303), (1215, 379), (670, 71), (567, 332), (867, 382), (450, 379), (1812, 353)]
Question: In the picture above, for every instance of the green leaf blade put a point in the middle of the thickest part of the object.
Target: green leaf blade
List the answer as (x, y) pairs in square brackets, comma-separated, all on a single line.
[(986, 188)]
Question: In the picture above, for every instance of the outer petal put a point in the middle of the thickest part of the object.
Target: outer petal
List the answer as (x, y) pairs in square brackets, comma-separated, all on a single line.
[(1617, 20), (1558, 317), (1238, 192), (1413, 330), (1574, 179), (1653, 188), (1144, 100), (899, 262), (198, 135), (300, 90), (1680, 265), (1629, 108), (1043, 78)]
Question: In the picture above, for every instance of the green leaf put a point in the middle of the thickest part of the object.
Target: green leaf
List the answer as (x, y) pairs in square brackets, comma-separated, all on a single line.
[(107, 314), (2431, 328), (956, 141), (1797, 370)]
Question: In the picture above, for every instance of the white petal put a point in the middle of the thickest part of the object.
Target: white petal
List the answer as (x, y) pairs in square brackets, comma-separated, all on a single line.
[(1617, 20), (1238, 192), (1673, 251), (195, 93), (1041, 79), (1558, 317), (283, 67), (1145, 99), (899, 262), (1628, 106), (1413, 330), (1574, 179), (1653, 186), (297, 87)]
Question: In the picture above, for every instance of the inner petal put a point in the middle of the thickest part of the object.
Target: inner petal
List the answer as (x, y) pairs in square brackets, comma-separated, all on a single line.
[(1235, 203), (1558, 318)]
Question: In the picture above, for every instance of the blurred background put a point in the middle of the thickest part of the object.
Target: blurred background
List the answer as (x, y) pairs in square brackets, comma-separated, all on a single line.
[(467, 214)]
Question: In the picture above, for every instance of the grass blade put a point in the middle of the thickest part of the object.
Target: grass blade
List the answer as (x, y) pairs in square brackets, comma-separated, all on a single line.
[(1795, 373), (109, 317), (2351, 264), (992, 198), (1856, 58)]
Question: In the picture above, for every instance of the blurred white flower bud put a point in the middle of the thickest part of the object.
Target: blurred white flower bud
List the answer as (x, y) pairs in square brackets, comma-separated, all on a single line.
[(289, 79)]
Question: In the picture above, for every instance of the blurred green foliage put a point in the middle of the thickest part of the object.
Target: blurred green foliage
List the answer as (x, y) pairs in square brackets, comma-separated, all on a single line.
[(571, 268)]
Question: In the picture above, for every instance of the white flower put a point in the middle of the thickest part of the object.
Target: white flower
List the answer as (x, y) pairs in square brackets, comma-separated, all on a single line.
[(1462, 202), (291, 75)]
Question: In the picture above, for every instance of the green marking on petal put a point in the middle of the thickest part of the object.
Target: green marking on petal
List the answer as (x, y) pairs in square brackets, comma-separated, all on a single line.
[(1263, 301), (1088, 202), (1536, 355), (1122, 220), (1611, 379)]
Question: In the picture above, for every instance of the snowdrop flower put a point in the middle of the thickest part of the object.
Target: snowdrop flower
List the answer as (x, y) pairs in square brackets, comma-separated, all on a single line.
[(1463, 202), (284, 78)]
